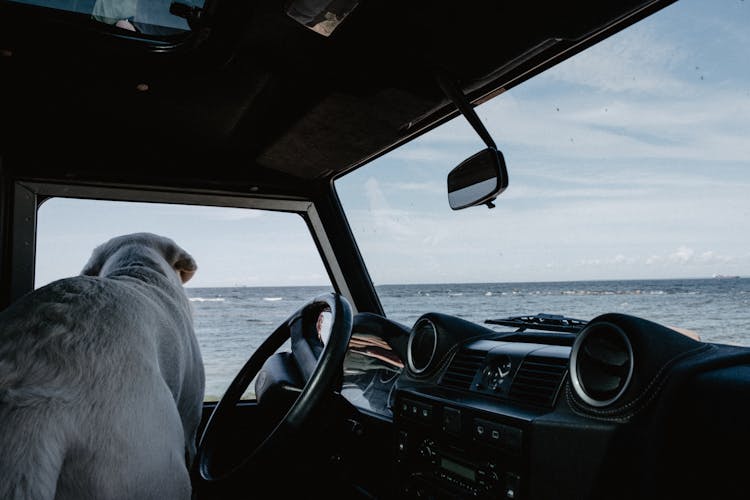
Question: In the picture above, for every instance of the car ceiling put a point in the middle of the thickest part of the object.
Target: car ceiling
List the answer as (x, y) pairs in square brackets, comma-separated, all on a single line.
[(254, 98)]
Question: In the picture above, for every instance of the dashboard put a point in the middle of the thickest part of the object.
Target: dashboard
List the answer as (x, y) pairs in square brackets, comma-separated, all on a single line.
[(550, 408)]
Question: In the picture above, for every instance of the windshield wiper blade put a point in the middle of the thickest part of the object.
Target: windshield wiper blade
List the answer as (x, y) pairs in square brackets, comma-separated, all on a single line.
[(542, 321)]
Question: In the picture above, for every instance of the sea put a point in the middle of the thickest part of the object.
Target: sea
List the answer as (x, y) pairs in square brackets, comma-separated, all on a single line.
[(231, 323)]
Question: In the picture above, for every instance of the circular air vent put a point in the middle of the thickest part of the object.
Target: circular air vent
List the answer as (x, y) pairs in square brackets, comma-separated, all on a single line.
[(601, 364), (422, 345)]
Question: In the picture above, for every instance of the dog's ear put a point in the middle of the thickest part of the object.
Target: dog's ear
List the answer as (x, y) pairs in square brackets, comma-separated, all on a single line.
[(185, 267), (181, 261), (94, 265), (91, 268)]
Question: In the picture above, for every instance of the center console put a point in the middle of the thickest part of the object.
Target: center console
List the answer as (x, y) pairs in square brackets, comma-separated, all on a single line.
[(449, 451)]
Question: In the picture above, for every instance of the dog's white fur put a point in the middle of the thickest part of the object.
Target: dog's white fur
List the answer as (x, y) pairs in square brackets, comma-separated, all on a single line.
[(101, 379)]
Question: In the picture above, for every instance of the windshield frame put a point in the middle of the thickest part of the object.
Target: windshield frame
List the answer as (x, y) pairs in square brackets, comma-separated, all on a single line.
[(29, 196)]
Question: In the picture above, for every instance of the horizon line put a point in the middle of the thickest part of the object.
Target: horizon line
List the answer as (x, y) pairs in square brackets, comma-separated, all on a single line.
[(716, 277)]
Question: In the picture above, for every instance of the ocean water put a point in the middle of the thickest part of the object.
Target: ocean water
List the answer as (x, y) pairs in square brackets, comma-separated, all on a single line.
[(232, 322)]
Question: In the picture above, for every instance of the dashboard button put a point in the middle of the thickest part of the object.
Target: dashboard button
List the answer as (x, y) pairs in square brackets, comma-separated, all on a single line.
[(452, 420)]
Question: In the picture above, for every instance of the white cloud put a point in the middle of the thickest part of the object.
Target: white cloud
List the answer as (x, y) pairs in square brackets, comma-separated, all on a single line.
[(234, 214), (381, 218), (691, 128), (424, 154), (608, 261), (683, 255), (196, 212), (637, 60), (687, 256), (419, 187)]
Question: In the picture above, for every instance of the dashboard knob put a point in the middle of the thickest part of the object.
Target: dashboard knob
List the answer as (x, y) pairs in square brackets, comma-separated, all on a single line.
[(427, 449)]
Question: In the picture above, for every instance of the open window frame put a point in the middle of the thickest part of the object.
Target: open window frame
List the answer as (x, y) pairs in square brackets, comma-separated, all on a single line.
[(28, 197)]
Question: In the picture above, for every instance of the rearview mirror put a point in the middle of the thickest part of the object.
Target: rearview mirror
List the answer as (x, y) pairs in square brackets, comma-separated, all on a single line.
[(477, 180)]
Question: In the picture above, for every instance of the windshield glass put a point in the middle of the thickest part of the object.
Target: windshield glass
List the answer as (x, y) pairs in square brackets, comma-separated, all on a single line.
[(629, 173)]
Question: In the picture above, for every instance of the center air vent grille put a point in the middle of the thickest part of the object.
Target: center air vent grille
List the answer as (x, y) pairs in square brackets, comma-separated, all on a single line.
[(463, 369), (538, 380)]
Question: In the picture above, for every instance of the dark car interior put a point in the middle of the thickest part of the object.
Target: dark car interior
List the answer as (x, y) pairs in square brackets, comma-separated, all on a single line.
[(245, 101)]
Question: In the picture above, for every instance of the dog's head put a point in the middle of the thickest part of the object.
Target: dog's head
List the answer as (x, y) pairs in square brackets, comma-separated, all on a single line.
[(120, 248)]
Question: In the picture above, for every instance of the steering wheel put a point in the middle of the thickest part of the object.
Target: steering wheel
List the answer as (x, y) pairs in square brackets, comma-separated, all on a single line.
[(323, 373)]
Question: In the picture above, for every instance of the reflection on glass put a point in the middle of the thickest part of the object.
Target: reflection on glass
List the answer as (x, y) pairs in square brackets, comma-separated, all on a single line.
[(321, 16), (469, 194), (323, 325), (149, 17), (370, 371)]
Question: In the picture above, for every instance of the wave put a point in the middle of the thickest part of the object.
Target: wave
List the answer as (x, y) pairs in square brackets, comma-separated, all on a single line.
[(203, 299), (590, 289), (273, 299), (611, 292), (552, 293)]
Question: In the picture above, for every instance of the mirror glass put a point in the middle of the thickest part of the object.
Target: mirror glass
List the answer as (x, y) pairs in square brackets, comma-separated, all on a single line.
[(323, 325), (477, 180), (149, 17)]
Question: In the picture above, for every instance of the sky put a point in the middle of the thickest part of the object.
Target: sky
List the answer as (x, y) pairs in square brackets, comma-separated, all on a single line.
[(630, 160)]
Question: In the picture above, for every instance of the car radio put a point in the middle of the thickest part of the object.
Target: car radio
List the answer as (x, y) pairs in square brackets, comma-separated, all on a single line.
[(448, 452), (447, 475)]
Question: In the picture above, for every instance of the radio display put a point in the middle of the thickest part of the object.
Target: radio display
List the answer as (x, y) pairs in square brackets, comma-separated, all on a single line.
[(458, 469)]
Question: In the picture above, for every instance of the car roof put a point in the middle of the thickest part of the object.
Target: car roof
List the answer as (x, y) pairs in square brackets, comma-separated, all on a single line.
[(252, 97)]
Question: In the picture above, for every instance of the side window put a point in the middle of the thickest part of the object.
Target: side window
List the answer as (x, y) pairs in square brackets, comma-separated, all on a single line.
[(255, 267), (148, 18)]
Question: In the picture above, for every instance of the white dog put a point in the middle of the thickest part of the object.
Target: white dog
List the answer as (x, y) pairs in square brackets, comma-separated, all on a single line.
[(101, 379)]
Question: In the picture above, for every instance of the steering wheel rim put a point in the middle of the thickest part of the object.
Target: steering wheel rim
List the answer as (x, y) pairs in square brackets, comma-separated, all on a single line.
[(314, 391)]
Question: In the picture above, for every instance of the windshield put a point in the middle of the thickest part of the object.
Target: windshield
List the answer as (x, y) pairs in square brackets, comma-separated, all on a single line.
[(629, 175)]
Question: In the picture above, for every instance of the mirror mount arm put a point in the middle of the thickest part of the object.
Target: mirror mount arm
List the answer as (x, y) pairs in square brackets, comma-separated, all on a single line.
[(479, 179), (451, 90)]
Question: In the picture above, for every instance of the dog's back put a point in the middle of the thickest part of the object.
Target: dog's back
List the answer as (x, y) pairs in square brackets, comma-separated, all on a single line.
[(101, 385)]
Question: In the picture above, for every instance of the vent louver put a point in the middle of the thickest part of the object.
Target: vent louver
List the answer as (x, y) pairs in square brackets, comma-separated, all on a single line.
[(538, 380), (601, 364), (463, 369)]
